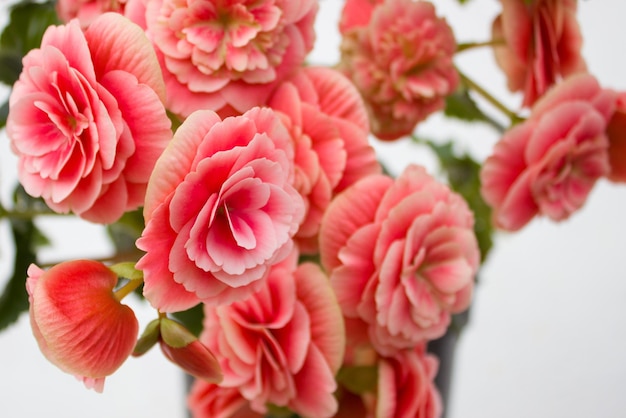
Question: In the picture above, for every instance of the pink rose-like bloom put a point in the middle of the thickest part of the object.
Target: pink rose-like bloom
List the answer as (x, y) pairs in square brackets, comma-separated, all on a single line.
[(219, 211), (208, 400), (77, 321), (401, 62), (284, 344), (406, 385), (548, 164), (328, 123), (616, 131), (542, 44), (228, 55), (402, 256), (356, 13), (87, 120)]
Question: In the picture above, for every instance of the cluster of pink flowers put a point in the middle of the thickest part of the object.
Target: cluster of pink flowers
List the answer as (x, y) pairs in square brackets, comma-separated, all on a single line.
[(269, 168)]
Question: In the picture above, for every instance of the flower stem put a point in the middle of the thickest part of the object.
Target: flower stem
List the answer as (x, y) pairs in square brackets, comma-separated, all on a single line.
[(129, 287), (472, 45), (472, 85)]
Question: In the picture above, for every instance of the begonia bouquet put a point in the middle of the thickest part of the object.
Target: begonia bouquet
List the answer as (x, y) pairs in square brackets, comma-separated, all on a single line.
[(292, 271)]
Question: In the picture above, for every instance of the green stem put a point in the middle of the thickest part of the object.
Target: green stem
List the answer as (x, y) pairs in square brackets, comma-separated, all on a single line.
[(472, 45), (129, 287), (27, 214), (472, 85)]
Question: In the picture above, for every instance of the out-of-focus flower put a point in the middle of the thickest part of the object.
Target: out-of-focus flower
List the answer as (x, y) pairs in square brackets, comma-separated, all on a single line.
[(86, 11), (401, 62), (406, 386), (77, 321), (87, 121), (220, 210), (402, 256), (356, 13), (284, 344), (542, 44), (616, 132), (228, 55), (328, 123), (548, 164)]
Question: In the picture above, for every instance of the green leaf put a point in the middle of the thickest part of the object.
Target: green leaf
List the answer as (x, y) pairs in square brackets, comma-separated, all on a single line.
[(192, 318), (358, 379), (126, 230), (27, 23), (10, 66), (4, 114), (27, 240), (149, 338), (14, 299)]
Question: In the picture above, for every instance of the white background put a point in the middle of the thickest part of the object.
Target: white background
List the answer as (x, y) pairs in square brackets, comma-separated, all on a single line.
[(546, 336)]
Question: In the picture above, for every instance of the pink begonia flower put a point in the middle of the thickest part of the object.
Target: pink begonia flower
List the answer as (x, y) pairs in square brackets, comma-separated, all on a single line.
[(401, 255), (542, 44), (548, 164), (77, 321), (406, 385), (401, 62), (228, 55), (208, 400), (616, 131), (87, 120), (284, 344), (219, 211), (328, 123)]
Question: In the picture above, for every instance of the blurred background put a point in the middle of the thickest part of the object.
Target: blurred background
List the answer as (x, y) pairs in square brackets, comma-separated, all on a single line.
[(545, 336)]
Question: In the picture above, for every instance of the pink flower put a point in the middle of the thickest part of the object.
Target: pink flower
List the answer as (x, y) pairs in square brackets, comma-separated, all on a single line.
[(328, 123), (543, 43), (616, 132), (356, 13), (77, 321), (220, 210), (282, 345), (402, 256), (548, 164), (228, 55), (86, 11), (406, 386), (208, 400), (401, 62), (86, 118)]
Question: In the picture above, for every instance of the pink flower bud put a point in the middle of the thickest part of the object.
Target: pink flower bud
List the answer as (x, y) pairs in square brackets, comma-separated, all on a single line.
[(79, 324), (183, 349)]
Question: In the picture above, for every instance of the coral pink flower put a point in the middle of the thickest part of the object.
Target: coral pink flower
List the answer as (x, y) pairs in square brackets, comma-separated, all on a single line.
[(401, 62), (406, 386), (543, 43), (86, 118), (402, 256), (208, 400), (548, 164), (284, 344), (328, 123), (228, 55), (220, 210), (616, 132), (356, 13), (77, 321)]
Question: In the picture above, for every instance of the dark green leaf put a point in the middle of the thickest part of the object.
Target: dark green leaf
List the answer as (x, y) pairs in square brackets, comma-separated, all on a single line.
[(4, 114), (27, 23), (10, 66), (126, 230), (27, 239), (192, 318)]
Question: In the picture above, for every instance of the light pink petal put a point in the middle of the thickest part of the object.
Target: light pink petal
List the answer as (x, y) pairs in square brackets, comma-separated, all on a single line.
[(118, 44)]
